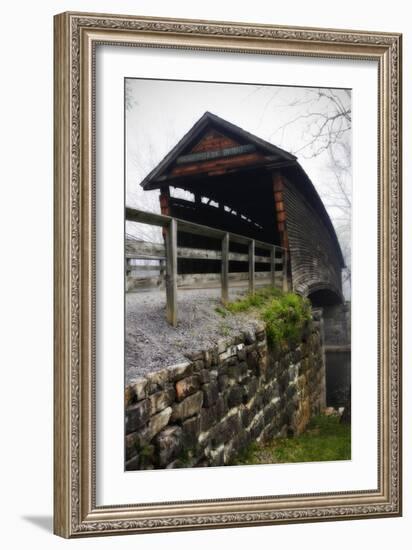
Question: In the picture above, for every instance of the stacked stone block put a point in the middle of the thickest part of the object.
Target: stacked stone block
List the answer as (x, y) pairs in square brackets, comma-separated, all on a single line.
[(204, 411)]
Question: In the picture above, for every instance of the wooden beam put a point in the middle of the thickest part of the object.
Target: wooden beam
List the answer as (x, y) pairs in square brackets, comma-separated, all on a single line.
[(225, 269), (127, 266), (151, 218), (140, 271), (207, 155), (285, 285), (144, 250), (140, 268), (162, 274), (252, 267), (273, 266), (219, 163), (198, 179), (153, 251), (209, 280), (198, 253), (171, 273)]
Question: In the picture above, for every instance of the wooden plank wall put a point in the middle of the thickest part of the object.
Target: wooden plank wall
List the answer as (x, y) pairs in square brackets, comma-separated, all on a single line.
[(314, 259)]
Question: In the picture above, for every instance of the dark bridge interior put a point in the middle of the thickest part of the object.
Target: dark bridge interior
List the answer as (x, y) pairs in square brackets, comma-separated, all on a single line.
[(241, 203), (226, 201), (324, 297)]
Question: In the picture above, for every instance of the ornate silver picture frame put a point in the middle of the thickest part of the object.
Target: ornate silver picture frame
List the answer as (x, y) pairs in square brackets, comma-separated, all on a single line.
[(77, 511)]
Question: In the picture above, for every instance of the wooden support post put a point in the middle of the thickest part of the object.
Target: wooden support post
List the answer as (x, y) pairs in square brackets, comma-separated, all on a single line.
[(127, 266), (252, 267), (225, 269), (171, 273), (162, 270), (285, 285), (273, 266)]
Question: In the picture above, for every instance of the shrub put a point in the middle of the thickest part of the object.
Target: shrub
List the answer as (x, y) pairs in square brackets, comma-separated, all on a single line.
[(286, 318), (285, 315)]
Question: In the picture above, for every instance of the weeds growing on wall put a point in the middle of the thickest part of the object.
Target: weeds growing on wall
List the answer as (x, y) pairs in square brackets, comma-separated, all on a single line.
[(285, 314)]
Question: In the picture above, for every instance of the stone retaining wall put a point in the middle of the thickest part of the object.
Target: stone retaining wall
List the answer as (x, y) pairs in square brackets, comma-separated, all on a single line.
[(203, 412)]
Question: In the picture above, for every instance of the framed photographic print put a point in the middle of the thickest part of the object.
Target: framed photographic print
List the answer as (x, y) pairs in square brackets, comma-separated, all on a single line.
[(227, 274)]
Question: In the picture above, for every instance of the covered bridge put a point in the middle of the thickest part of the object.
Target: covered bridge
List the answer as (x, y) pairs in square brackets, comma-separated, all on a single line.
[(237, 182)]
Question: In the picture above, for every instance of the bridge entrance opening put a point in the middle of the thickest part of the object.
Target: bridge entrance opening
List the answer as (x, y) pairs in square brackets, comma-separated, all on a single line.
[(324, 298)]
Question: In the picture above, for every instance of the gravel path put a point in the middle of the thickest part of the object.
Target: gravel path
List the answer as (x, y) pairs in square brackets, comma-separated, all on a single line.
[(151, 343)]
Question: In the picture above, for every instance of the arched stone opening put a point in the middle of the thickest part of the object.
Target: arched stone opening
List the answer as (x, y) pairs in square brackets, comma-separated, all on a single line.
[(324, 297)]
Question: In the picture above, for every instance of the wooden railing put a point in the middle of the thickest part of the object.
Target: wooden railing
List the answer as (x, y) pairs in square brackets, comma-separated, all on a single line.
[(170, 252)]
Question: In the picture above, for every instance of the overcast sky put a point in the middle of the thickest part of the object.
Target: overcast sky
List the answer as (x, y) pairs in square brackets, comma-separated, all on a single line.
[(159, 113)]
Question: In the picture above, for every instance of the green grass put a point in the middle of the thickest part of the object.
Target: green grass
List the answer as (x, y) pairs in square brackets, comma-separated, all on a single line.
[(325, 439), (285, 315), (254, 301)]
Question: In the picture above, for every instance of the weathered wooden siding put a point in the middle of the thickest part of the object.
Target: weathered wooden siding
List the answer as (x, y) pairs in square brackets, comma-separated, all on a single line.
[(218, 166), (315, 264), (213, 140)]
